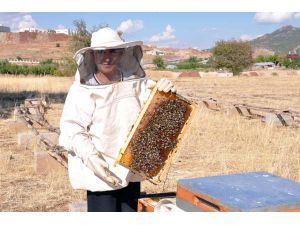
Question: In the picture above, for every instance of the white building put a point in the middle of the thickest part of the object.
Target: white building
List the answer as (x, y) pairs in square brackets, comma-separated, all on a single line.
[(264, 65), (4, 28), (33, 29), (171, 67), (63, 31), (155, 52)]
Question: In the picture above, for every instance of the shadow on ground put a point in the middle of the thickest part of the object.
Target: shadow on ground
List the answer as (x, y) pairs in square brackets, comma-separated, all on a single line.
[(8, 100)]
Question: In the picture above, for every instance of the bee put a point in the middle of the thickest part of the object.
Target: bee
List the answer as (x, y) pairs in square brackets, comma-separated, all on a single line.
[(151, 146)]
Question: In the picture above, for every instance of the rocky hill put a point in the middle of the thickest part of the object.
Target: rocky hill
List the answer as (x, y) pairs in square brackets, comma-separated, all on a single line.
[(283, 40), (35, 46)]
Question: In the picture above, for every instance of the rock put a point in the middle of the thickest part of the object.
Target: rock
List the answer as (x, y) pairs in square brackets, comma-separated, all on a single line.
[(26, 140), (280, 119), (45, 164)]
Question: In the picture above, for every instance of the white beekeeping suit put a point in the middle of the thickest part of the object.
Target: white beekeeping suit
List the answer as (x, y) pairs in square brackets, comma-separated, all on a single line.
[(98, 117)]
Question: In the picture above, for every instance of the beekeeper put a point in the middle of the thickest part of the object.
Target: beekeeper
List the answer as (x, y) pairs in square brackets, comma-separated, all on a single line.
[(102, 105)]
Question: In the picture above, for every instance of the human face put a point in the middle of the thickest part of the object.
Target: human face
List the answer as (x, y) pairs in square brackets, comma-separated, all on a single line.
[(107, 61)]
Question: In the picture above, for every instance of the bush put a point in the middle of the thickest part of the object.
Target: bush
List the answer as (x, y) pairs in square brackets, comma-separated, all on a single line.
[(45, 68), (159, 62), (280, 59), (67, 68), (191, 63), (82, 37), (233, 55)]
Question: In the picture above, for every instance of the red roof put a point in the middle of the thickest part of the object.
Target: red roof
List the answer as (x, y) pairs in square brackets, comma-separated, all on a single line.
[(293, 56)]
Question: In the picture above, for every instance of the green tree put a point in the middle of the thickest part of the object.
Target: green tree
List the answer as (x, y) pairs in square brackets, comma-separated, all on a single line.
[(233, 55), (159, 62), (82, 37), (67, 68), (269, 58), (260, 58), (190, 63)]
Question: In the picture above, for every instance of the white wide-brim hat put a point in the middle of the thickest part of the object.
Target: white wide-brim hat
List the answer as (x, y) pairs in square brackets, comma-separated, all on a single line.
[(107, 38)]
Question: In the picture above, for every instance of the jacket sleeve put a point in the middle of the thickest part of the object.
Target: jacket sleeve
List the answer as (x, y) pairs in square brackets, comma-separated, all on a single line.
[(74, 122)]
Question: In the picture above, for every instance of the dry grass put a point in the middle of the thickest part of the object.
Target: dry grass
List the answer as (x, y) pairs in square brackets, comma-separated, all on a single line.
[(281, 92), (44, 84), (215, 144), (20, 188)]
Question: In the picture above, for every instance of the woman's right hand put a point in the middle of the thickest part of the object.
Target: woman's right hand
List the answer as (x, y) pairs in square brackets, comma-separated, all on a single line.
[(99, 166)]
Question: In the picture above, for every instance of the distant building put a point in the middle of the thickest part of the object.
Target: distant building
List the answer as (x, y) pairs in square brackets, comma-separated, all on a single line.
[(33, 29), (63, 31), (155, 52), (264, 65), (174, 60), (51, 31), (293, 56), (4, 29), (204, 61), (171, 67)]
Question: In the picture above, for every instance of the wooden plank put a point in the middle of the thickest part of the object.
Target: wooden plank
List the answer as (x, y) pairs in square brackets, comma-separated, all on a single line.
[(149, 204), (146, 205)]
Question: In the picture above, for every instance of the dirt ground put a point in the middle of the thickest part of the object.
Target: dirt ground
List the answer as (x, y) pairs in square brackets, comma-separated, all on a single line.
[(214, 144), (20, 188)]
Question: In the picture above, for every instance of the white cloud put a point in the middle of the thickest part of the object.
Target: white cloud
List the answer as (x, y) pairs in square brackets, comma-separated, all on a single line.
[(17, 21), (197, 48), (272, 17), (130, 26), (165, 35), (247, 37), (27, 21)]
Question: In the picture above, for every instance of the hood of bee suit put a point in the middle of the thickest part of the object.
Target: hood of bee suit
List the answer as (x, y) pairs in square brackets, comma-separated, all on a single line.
[(130, 64)]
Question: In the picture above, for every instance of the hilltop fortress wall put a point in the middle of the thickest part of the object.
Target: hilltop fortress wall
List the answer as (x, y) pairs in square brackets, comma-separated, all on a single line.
[(31, 37)]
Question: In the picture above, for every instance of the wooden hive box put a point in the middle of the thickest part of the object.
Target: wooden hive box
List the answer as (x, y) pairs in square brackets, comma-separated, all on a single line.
[(149, 204), (151, 144), (247, 192)]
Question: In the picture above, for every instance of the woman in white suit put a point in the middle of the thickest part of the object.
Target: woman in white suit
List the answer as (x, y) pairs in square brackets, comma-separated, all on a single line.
[(102, 105)]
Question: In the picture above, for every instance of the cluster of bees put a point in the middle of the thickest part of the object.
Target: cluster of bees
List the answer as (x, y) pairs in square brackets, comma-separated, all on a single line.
[(151, 146)]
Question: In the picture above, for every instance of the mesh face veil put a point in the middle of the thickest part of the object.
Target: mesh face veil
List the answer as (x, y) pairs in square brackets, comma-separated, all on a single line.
[(113, 64)]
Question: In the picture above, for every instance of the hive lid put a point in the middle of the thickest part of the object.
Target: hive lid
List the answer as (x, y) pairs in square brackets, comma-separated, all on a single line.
[(257, 191)]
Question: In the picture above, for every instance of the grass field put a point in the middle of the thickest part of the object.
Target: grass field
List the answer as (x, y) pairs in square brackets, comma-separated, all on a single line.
[(215, 143)]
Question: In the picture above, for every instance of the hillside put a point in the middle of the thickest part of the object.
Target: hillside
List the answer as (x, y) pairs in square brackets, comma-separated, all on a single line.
[(41, 46), (173, 54), (283, 40), (35, 46)]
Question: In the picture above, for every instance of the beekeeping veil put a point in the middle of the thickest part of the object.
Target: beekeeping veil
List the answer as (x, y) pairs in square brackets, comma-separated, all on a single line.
[(129, 64)]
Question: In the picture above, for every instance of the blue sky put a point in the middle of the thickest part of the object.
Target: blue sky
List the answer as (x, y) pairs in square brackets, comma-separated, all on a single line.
[(200, 30)]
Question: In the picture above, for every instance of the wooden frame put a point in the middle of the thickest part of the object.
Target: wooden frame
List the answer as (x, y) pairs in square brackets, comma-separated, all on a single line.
[(125, 157)]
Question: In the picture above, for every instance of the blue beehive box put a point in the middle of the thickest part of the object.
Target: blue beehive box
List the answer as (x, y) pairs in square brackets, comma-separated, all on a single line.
[(247, 192)]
